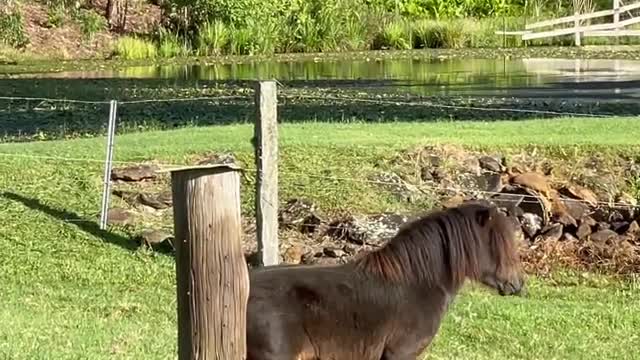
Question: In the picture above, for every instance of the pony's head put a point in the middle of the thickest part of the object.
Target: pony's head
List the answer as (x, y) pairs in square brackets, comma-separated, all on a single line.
[(498, 264)]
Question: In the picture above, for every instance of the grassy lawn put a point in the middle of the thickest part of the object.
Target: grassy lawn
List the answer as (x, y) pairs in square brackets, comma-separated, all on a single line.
[(70, 291)]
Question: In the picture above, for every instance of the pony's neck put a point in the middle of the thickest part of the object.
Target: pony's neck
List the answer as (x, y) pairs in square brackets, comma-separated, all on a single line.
[(424, 267)]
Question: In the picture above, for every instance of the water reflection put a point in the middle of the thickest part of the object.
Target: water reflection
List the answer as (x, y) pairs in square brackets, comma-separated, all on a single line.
[(473, 77)]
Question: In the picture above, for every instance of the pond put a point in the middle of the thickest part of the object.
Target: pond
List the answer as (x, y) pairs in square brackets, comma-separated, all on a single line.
[(337, 91), (592, 79)]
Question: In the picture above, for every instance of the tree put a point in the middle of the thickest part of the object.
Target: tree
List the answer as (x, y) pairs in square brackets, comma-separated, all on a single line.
[(117, 14)]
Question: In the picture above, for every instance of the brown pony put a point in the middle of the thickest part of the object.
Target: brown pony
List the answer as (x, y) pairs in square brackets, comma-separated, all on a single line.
[(389, 303)]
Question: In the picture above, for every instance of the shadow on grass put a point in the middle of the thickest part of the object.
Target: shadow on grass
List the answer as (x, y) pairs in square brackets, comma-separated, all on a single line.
[(89, 227)]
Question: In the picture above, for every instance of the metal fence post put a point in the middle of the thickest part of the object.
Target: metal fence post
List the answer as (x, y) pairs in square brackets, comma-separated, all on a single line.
[(106, 190)]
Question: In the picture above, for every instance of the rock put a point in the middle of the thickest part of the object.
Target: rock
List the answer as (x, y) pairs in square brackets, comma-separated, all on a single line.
[(134, 173), (526, 199), (620, 227), (603, 236), (580, 193), (551, 233), (583, 231), (333, 252), (626, 205), (374, 229), (119, 217), (426, 174), (155, 238), (534, 181), (130, 197), (490, 163), (158, 202), (393, 183), (589, 221), (603, 226), (574, 208), (566, 220), (633, 230), (215, 159), (531, 224), (489, 182), (299, 214), (293, 255), (453, 201), (568, 237)]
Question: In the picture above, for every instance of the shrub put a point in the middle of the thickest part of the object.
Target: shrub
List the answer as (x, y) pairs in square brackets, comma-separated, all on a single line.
[(12, 28), (90, 22), (172, 45), (395, 34), (213, 38), (133, 48)]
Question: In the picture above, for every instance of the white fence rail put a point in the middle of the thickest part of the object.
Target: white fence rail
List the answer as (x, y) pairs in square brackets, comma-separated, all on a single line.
[(614, 28)]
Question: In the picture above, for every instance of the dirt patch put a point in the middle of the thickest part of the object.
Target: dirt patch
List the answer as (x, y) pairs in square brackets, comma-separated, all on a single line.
[(68, 42)]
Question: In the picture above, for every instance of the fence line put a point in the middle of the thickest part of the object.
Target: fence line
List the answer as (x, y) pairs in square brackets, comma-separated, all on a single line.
[(406, 103), (420, 187)]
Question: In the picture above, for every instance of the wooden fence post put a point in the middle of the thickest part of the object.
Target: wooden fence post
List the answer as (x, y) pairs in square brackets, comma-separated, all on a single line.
[(212, 274), (266, 155), (576, 24)]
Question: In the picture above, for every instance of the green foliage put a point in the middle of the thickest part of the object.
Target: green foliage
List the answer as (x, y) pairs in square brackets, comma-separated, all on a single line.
[(396, 34), (133, 48), (55, 16), (90, 22), (213, 38), (12, 28), (172, 45)]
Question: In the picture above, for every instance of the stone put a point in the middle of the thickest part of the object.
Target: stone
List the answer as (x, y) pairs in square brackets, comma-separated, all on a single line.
[(626, 205), (120, 217), (589, 221), (490, 163), (301, 215), (366, 229), (620, 227), (552, 233), (215, 159), (293, 255), (157, 202), (453, 201), (566, 220), (603, 226), (393, 183), (426, 174), (531, 224), (333, 252), (633, 230), (568, 237), (154, 238), (580, 193), (532, 180), (528, 200), (583, 231), (603, 236), (575, 208), (134, 173)]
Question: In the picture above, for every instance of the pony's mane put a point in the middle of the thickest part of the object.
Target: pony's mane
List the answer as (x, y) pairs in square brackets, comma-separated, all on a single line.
[(444, 244)]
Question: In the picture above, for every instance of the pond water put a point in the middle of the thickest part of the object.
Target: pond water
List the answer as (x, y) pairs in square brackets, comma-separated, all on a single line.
[(596, 80)]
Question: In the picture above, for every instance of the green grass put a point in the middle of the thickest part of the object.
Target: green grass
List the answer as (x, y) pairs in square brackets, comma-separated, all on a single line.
[(133, 48), (71, 291)]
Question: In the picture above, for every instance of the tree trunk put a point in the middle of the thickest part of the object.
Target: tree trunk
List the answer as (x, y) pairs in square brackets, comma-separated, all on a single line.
[(117, 14)]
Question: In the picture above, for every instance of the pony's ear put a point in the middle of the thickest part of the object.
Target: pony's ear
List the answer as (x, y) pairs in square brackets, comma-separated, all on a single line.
[(483, 216)]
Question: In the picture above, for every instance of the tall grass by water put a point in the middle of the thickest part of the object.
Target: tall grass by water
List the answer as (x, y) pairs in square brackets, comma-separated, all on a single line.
[(350, 33)]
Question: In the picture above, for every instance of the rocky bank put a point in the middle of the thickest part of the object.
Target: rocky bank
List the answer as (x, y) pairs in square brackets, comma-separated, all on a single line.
[(578, 215)]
